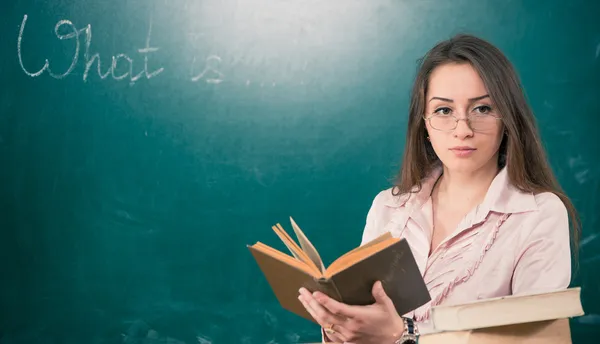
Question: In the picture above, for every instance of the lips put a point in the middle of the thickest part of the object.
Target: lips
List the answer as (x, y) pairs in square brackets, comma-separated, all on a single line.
[(462, 151), (462, 148)]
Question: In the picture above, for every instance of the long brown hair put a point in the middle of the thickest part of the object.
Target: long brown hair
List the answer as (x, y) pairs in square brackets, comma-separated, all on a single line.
[(521, 148)]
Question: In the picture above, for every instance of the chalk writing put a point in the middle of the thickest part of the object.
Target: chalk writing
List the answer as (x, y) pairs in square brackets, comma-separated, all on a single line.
[(115, 60), (46, 66), (120, 66), (90, 59), (146, 50), (213, 76)]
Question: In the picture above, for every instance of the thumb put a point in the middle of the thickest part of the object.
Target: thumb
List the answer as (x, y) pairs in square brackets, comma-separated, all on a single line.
[(381, 297)]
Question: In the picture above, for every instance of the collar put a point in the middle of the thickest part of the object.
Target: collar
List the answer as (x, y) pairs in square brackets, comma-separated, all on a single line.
[(501, 197)]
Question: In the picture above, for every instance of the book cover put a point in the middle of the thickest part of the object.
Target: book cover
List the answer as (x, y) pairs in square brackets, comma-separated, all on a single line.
[(349, 279)]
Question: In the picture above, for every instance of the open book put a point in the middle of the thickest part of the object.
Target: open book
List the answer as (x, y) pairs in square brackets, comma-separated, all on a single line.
[(349, 279)]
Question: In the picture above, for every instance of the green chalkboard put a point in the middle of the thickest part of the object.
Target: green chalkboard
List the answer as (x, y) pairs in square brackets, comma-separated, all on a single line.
[(145, 143)]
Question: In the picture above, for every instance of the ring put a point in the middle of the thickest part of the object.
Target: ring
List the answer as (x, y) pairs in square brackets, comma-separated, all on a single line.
[(329, 329)]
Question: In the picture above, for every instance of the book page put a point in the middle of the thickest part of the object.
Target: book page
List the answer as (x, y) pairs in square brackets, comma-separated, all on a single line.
[(382, 237), (293, 247), (287, 241), (350, 259), (307, 247), (284, 258), (508, 310)]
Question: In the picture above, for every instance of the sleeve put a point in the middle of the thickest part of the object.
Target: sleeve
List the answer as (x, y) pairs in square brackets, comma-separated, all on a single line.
[(372, 229), (543, 260)]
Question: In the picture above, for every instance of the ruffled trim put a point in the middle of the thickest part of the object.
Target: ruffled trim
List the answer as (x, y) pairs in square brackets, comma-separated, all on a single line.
[(467, 273)]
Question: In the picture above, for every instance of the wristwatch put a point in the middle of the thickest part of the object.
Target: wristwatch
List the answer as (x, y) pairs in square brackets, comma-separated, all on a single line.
[(410, 334)]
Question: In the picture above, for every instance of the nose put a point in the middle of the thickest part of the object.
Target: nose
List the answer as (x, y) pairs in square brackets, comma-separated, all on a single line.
[(463, 128)]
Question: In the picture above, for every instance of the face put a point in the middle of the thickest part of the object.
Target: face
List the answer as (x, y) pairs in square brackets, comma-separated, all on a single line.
[(457, 90)]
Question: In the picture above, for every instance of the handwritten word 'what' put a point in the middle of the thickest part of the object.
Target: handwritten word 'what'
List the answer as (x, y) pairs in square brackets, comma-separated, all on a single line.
[(66, 30)]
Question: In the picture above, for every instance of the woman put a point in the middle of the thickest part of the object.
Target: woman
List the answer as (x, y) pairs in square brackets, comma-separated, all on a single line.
[(475, 197)]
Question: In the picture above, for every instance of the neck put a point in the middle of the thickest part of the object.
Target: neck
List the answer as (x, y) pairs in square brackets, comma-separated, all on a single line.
[(466, 189)]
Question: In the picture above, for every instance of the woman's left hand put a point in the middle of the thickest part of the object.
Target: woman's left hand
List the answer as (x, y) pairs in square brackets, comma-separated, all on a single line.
[(376, 323)]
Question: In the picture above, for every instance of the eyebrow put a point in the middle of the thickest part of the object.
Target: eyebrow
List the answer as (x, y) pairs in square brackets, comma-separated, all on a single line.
[(452, 101)]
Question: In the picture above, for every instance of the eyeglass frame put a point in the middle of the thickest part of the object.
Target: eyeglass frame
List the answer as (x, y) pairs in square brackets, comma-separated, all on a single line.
[(467, 120)]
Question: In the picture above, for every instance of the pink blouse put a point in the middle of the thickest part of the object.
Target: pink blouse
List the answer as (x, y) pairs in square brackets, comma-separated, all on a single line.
[(512, 243)]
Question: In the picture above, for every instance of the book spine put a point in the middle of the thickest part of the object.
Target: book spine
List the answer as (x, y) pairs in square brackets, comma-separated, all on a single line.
[(329, 288)]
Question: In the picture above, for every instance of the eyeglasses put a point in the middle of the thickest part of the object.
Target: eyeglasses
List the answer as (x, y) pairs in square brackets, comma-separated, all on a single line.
[(477, 122)]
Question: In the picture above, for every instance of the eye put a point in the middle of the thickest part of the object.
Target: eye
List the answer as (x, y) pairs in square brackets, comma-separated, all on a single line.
[(483, 109), (443, 111)]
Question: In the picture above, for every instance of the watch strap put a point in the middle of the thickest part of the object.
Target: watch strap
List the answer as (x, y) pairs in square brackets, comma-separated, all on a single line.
[(410, 334)]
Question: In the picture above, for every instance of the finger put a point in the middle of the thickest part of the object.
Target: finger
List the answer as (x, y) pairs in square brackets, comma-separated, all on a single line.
[(339, 334), (324, 318), (337, 308), (381, 297), (322, 315), (339, 326), (335, 337)]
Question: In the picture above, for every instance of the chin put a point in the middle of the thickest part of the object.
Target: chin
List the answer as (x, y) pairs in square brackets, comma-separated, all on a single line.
[(465, 165), (469, 164)]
